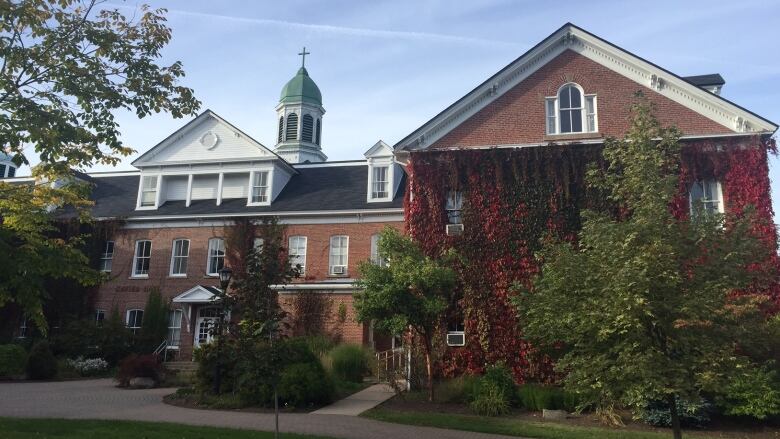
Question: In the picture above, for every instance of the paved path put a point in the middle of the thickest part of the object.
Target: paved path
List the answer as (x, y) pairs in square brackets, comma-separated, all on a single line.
[(359, 402), (99, 399)]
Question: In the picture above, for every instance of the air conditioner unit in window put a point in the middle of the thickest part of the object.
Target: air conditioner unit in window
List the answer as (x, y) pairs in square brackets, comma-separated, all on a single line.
[(454, 229), (339, 269), (456, 338)]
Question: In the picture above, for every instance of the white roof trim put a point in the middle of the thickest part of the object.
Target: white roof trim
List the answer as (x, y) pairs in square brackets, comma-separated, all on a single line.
[(196, 294), (388, 211), (321, 286), (380, 149), (714, 107)]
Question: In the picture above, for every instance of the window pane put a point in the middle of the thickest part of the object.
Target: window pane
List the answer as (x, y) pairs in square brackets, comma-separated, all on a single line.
[(550, 116), (297, 250), (260, 187), (379, 182), (565, 99), (566, 121), (216, 255), (576, 99), (576, 121)]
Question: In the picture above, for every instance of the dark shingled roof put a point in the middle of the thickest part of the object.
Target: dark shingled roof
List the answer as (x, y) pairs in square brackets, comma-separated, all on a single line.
[(705, 80), (320, 188)]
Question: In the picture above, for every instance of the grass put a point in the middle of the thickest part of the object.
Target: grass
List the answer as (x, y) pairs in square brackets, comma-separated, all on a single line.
[(11, 428), (506, 426)]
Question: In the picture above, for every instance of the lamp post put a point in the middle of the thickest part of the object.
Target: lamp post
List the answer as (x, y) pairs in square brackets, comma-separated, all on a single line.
[(224, 281)]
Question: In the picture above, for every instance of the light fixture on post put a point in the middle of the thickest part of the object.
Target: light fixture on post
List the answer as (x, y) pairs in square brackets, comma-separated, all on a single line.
[(225, 274)]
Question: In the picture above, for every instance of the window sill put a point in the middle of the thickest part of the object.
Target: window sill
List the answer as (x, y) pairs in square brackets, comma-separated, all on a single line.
[(572, 136), (345, 275), (178, 276), (139, 276)]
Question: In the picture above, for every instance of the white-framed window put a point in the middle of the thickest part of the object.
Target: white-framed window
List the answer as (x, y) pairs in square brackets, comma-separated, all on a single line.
[(135, 318), (375, 258), (380, 182), (708, 194), (339, 249), (454, 207), (148, 191), (100, 317), (180, 253), (216, 256), (297, 251), (571, 111), (257, 244), (142, 258), (22, 328), (259, 193), (107, 257), (174, 328), (456, 334)]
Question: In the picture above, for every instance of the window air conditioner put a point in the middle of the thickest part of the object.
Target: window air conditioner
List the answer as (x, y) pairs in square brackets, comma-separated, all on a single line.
[(456, 338), (339, 269)]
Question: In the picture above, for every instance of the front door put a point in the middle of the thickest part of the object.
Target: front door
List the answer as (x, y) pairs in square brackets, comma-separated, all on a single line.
[(204, 326)]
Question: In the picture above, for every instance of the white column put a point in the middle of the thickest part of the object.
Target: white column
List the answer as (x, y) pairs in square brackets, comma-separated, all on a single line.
[(219, 188), (189, 191)]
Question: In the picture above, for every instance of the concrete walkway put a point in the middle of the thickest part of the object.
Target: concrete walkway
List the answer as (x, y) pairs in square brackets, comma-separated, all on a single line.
[(99, 399), (359, 402)]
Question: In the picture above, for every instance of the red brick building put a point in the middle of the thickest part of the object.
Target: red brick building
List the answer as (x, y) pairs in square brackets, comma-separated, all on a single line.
[(174, 212), (502, 167)]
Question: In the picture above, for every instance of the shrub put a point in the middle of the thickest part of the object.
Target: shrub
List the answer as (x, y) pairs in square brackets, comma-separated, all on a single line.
[(500, 376), (349, 362), (88, 367), (490, 401), (13, 359), (77, 338), (754, 393), (138, 366), (114, 338), (538, 397), (41, 364), (305, 384), (461, 389), (692, 414), (319, 345)]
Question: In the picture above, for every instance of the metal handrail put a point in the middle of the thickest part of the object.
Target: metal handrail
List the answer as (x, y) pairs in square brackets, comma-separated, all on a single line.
[(392, 360), (163, 347)]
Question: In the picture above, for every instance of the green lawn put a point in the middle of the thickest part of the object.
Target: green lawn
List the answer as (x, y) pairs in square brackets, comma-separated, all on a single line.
[(507, 426), (13, 428)]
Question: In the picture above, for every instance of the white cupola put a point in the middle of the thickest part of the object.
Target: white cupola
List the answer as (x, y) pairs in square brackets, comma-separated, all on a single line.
[(299, 114)]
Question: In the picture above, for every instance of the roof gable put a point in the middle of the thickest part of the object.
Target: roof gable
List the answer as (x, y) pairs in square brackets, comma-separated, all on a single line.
[(197, 294), (570, 37), (206, 139), (380, 149)]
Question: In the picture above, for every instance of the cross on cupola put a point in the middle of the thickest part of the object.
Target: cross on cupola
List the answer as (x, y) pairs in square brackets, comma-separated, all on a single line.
[(303, 56)]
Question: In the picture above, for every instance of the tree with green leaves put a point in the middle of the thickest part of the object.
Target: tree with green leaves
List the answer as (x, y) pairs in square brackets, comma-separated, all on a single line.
[(412, 291), (643, 306), (68, 68)]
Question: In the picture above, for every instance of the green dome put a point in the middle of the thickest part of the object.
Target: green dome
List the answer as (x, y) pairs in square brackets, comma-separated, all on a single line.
[(301, 88)]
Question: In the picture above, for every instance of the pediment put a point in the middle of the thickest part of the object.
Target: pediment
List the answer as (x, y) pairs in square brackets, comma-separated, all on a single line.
[(380, 149), (197, 294), (206, 139), (716, 109)]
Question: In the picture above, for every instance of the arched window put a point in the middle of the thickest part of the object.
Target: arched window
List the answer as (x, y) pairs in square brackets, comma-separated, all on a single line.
[(292, 127), (571, 111), (307, 128), (319, 129), (281, 129)]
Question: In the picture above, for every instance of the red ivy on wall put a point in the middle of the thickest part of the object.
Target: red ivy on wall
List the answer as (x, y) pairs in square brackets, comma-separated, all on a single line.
[(516, 198)]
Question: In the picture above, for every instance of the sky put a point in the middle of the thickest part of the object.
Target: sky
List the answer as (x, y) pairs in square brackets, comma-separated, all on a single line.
[(386, 67)]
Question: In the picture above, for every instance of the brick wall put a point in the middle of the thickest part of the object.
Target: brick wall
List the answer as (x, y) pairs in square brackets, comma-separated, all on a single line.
[(125, 292), (518, 116)]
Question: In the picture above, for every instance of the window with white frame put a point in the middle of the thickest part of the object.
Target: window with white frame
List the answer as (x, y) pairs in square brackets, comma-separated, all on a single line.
[(260, 187), (22, 328), (174, 328), (142, 258), (149, 190), (706, 195), (216, 256), (107, 257), (456, 334), (180, 253), (134, 319), (375, 258), (257, 245), (454, 207), (571, 111), (379, 182), (339, 247), (297, 250), (100, 317)]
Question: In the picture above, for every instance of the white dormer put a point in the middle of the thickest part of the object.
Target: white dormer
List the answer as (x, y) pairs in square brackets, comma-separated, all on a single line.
[(384, 174), (210, 159)]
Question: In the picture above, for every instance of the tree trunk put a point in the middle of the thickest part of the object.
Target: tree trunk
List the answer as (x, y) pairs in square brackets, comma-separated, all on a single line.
[(429, 367), (675, 417)]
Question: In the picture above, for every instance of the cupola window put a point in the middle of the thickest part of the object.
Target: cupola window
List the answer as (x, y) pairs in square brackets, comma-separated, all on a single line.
[(318, 133), (307, 128), (281, 130), (571, 111), (292, 127)]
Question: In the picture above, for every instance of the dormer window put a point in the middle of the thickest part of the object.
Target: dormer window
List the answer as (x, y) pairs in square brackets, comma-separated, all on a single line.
[(148, 191), (379, 182), (259, 193), (571, 111), (707, 194)]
